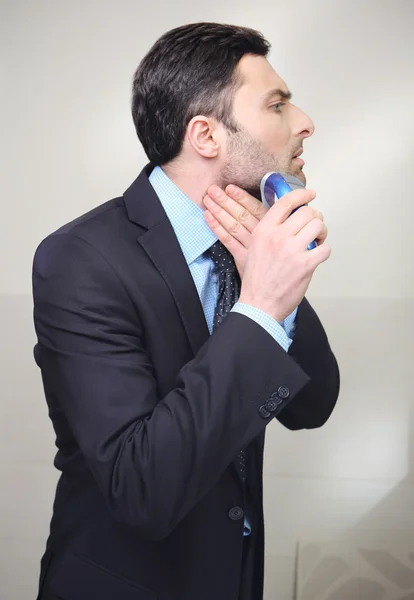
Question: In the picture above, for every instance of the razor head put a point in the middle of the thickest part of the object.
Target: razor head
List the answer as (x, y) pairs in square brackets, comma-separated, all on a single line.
[(275, 185)]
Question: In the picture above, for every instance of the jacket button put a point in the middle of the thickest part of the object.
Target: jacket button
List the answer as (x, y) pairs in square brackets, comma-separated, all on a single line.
[(263, 412), (272, 405), (236, 513), (283, 392)]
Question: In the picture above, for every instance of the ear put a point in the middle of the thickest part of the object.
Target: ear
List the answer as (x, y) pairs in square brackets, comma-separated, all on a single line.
[(203, 135)]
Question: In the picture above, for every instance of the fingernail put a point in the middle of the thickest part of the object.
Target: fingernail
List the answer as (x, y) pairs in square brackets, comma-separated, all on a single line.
[(214, 191), (233, 191)]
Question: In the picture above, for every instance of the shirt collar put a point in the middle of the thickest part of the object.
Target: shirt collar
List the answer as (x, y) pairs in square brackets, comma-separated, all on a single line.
[(187, 219)]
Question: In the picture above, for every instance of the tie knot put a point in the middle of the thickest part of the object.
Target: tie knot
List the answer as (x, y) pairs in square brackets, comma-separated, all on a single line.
[(223, 260)]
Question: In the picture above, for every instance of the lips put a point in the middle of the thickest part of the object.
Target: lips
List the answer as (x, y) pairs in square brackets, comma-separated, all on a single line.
[(299, 161)]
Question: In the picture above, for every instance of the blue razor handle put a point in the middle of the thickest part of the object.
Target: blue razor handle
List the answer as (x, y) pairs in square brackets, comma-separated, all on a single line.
[(274, 185)]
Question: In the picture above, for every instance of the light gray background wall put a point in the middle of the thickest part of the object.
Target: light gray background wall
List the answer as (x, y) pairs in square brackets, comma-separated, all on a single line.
[(68, 144)]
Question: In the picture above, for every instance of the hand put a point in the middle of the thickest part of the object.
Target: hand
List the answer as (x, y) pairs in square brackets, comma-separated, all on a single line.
[(279, 267), (232, 215)]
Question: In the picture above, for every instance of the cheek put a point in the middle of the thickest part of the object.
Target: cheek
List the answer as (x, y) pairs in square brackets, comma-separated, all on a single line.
[(268, 129), (275, 135)]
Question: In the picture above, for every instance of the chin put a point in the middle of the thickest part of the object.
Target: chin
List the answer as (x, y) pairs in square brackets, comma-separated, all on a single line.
[(302, 177), (299, 174)]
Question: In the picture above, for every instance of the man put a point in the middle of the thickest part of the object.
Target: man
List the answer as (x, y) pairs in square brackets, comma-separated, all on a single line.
[(160, 372)]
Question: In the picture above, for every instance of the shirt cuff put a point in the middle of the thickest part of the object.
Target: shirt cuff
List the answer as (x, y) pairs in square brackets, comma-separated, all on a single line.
[(275, 329), (289, 324)]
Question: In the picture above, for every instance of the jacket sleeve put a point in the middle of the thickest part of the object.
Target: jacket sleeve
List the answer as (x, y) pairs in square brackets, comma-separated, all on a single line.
[(310, 348), (153, 458)]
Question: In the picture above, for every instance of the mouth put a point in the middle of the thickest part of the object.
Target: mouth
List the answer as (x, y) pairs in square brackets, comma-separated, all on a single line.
[(295, 157)]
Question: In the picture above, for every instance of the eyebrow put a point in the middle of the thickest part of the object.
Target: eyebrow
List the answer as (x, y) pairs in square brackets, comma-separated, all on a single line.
[(277, 92)]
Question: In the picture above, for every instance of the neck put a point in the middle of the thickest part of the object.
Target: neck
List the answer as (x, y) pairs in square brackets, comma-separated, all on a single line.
[(192, 180)]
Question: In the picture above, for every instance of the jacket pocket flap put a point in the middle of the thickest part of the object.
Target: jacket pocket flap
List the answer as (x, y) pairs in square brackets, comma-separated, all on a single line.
[(79, 579)]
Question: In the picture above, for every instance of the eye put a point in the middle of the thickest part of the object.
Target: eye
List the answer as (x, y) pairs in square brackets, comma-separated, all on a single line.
[(278, 106)]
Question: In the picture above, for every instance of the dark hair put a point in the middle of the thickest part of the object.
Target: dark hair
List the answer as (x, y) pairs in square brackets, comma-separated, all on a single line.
[(190, 70)]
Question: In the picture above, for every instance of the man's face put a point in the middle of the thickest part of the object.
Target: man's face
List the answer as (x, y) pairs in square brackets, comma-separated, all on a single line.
[(271, 128)]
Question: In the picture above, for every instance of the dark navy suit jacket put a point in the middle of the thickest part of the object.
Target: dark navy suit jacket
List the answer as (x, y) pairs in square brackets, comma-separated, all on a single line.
[(150, 411)]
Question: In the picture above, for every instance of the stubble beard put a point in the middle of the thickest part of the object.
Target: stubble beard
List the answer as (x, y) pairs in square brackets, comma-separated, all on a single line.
[(248, 161)]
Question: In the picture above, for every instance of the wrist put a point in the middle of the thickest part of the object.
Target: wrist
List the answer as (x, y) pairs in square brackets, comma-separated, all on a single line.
[(266, 307)]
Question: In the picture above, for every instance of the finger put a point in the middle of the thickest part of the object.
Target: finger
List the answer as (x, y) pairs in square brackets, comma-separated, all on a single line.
[(246, 200), (301, 217), (323, 235), (233, 246), (310, 232), (318, 255), (229, 223), (318, 214), (240, 213), (282, 208)]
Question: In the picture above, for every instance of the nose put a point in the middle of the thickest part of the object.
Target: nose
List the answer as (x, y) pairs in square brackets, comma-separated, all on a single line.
[(303, 125)]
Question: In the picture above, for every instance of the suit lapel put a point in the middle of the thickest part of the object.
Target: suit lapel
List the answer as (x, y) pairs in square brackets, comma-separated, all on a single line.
[(161, 245)]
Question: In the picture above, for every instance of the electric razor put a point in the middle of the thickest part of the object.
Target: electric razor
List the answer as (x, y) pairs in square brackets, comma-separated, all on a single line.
[(275, 185)]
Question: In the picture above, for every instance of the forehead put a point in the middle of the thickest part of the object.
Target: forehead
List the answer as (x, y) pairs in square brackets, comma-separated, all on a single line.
[(258, 76)]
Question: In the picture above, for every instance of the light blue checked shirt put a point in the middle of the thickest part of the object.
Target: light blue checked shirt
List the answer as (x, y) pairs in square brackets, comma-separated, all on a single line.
[(195, 237)]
